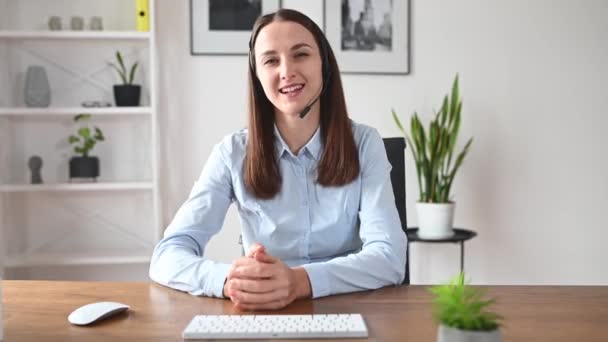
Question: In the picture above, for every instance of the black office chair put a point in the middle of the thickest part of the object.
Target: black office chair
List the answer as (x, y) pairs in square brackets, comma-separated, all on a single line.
[(395, 152)]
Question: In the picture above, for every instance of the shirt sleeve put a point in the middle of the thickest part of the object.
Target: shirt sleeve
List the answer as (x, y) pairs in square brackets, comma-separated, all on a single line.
[(177, 260), (381, 260)]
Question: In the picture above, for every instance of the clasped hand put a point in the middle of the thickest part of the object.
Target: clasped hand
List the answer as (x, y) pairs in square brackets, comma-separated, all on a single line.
[(259, 281)]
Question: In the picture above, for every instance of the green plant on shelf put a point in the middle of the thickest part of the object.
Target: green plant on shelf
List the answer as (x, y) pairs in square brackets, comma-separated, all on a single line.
[(85, 138), (127, 79)]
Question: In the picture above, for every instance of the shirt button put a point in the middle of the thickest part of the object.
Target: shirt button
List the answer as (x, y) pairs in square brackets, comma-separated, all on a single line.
[(304, 203)]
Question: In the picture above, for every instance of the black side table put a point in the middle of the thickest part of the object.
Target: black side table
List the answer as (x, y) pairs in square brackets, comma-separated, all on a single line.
[(460, 236)]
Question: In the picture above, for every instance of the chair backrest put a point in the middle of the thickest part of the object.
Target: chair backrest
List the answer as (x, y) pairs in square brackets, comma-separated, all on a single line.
[(395, 151)]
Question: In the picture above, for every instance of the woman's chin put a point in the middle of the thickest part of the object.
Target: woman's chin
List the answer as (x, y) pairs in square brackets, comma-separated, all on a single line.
[(290, 111)]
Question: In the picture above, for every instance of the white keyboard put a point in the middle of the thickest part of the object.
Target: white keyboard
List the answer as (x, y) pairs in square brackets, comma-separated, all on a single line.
[(275, 326)]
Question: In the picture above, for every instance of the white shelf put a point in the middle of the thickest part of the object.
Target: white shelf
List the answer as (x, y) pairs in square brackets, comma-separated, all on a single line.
[(76, 187), (77, 35), (67, 260), (71, 111), (78, 57)]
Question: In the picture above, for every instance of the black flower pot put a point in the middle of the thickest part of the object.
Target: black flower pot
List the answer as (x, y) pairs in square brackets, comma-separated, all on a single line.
[(127, 95), (84, 167)]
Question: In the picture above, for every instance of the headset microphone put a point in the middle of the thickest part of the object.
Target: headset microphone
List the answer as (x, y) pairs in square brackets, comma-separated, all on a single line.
[(324, 47), (309, 106)]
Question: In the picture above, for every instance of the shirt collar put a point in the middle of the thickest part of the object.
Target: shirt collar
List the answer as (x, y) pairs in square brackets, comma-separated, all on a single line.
[(313, 146)]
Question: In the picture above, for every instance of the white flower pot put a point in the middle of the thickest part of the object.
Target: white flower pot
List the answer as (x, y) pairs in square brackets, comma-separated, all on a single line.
[(435, 220), (448, 334)]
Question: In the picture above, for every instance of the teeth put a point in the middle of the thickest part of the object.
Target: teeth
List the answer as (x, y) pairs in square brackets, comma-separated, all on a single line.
[(291, 89)]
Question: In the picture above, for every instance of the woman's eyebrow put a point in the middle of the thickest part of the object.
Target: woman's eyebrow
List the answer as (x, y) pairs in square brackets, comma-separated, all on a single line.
[(295, 47)]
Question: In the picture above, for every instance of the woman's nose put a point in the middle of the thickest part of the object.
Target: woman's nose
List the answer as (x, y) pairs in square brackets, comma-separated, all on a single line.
[(287, 71)]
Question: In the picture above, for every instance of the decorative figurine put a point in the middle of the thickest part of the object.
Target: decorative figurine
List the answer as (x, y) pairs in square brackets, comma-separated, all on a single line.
[(77, 23), (55, 23), (35, 164), (96, 24)]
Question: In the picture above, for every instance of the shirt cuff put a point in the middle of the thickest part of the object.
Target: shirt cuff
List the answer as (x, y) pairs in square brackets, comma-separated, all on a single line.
[(319, 282), (219, 274)]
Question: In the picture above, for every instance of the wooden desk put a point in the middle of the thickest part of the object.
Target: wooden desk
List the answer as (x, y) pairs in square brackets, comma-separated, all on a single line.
[(37, 311)]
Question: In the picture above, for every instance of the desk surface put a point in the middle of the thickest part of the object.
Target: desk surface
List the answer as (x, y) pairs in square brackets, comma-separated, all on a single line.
[(38, 310)]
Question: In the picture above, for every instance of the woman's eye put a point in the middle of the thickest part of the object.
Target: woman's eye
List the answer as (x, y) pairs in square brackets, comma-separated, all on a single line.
[(301, 54), (270, 61)]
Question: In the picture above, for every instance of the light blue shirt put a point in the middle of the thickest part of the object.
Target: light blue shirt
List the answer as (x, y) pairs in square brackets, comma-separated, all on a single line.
[(347, 238)]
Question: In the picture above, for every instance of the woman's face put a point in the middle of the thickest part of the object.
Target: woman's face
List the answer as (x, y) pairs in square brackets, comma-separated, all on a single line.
[(288, 65)]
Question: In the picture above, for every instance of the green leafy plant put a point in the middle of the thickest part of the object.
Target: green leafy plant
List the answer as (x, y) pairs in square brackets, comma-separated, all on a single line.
[(433, 150), (122, 70), (461, 306), (85, 138)]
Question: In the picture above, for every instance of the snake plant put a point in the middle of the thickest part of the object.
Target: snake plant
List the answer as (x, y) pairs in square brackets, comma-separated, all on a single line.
[(122, 70), (433, 150)]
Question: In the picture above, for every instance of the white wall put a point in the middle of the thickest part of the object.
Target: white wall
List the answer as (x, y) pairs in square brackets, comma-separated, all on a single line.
[(532, 73)]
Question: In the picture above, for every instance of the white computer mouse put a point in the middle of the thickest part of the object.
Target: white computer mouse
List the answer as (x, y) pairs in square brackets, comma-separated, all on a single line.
[(94, 312)]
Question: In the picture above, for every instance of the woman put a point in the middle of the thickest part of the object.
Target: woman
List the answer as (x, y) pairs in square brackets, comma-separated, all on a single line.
[(312, 187)]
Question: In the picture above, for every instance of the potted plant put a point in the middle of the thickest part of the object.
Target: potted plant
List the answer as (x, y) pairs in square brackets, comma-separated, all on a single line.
[(463, 314), (436, 167), (84, 166), (127, 93)]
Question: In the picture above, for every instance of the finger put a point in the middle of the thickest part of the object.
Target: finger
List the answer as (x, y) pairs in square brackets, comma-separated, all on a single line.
[(265, 258), (251, 286), (244, 267), (247, 298), (239, 262), (279, 304), (255, 248), (244, 261), (255, 271)]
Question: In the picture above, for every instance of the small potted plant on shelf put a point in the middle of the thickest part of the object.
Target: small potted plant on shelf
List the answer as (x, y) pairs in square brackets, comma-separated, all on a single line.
[(127, 93), (84, 166), (436, 165), (463, 314)]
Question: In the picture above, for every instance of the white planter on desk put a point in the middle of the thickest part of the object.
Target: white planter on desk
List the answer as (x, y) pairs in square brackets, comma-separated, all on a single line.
[(449, 334), (435, 220)]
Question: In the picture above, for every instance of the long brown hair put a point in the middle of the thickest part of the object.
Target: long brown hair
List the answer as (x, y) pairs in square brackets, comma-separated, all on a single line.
[(339, 162)]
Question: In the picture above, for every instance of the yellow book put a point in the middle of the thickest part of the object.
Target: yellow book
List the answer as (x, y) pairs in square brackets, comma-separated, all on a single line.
[(143, 16)]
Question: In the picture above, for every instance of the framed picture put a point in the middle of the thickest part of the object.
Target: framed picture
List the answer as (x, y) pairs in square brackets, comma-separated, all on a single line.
[(223, 27), (369, 36)]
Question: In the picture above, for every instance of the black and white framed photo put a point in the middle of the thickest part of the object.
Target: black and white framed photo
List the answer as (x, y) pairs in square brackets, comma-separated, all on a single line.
[(369, 36), (222, 27)]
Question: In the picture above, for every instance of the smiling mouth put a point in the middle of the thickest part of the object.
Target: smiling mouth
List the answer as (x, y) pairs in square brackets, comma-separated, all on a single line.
[(292, 89)]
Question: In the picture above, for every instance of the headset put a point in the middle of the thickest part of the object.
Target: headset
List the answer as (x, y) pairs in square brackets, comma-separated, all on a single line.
[(325, 67)]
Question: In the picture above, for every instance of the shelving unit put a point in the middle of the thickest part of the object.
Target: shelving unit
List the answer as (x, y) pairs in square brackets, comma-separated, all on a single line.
[(76, 187), (115, 221), (67, 260), (76, 35), (71, 111)]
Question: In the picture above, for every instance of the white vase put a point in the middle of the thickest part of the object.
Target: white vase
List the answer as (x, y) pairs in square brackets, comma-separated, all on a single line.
[(448, 334), (435, 220)]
